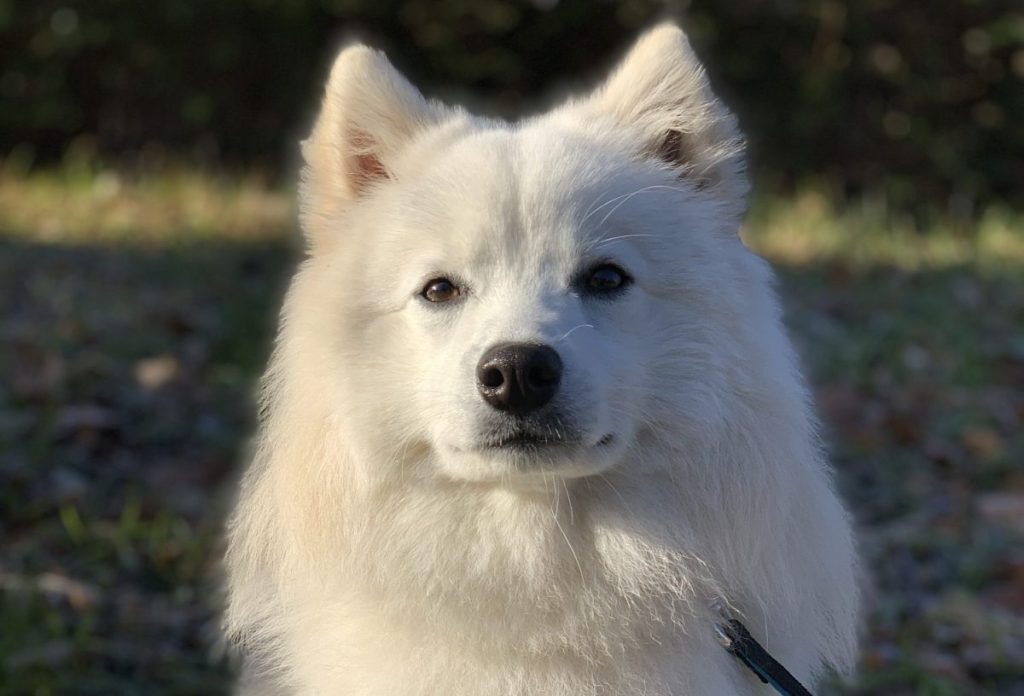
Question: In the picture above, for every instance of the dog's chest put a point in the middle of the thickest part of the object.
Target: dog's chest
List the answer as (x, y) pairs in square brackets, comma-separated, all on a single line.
[(358, 651)]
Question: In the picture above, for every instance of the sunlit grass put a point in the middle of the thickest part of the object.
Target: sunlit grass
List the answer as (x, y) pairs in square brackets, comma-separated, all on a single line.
[(808, 229), (84, 205), (101, 207)]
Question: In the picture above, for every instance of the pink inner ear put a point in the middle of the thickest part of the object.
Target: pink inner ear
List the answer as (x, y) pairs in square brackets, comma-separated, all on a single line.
[(678, 152), (369, 168), (366, 166), (670, 148)]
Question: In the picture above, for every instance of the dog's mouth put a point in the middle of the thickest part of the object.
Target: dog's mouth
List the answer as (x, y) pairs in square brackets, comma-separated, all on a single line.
[(525, 457), (526, 442)]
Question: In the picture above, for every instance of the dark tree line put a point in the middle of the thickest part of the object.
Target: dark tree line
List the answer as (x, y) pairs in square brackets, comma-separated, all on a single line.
[(922, 100)]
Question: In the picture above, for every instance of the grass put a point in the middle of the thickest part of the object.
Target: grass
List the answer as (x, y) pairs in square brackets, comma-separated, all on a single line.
[(807, 230), (79, 205), (136, 315)]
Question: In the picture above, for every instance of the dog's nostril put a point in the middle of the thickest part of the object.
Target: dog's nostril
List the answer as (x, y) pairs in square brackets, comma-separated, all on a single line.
[(492, 378)]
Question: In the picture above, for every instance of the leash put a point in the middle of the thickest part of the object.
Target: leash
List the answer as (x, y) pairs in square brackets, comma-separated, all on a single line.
[(738, 642)]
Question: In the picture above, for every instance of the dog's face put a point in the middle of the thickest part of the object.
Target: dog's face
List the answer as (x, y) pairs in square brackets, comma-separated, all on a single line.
[(523, 301)]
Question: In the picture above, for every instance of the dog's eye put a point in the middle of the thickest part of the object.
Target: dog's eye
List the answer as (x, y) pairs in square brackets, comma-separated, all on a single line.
[(440, 290), (606, 278)]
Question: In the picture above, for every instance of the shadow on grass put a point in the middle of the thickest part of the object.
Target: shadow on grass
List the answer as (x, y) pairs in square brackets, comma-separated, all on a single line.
[(126, 378), (919, 379)]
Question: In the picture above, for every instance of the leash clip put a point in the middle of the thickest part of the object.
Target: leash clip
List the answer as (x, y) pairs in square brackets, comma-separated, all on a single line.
[(738, 642)]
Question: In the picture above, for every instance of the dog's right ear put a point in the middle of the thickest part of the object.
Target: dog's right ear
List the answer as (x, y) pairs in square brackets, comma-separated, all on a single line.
[(369, 113), (661, 93)]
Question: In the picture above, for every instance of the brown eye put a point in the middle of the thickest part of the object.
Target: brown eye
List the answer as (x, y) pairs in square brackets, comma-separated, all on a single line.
[(440, 290), (606, 278)]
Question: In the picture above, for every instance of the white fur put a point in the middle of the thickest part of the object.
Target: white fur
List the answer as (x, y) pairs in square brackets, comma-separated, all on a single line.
[(375, 551)]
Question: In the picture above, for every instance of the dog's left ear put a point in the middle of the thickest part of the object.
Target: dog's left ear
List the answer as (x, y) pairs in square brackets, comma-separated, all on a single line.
[(660, 91)]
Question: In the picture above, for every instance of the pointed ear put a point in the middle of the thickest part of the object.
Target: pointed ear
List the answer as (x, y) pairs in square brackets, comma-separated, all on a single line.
[(369, 114), (661, 91)]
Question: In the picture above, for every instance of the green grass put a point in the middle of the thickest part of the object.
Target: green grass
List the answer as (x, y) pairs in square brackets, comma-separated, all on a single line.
[(806, 230), (136, 315)]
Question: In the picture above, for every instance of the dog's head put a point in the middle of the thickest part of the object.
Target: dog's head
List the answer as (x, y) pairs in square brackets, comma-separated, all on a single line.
[(512, 301)]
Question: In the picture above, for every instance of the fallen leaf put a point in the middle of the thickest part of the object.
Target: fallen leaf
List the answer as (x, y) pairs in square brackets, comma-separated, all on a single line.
[(153, 373), (1003, 509)]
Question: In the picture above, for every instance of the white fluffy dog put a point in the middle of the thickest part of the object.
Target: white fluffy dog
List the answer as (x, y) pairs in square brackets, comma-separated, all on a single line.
[(532, 412)]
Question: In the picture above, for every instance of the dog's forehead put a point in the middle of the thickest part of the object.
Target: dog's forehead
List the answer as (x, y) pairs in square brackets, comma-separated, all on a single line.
[(521, 189)]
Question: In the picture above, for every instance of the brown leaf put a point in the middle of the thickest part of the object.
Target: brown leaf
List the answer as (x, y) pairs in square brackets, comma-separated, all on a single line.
[(983, 443), (153, 373), (1002, 509)]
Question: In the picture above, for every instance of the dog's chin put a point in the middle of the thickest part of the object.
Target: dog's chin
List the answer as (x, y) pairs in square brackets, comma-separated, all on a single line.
[(530, 462)]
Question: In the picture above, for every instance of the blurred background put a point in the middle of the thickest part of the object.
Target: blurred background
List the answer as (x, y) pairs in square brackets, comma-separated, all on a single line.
[(147, 158)]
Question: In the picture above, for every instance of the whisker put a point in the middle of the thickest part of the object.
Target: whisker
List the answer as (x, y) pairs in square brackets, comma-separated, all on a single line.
[(593, 209), (569, 332), (622, 200), (568, 543), (609, 240), (622, 203), (616, 491), (627, 196), (555, 502)]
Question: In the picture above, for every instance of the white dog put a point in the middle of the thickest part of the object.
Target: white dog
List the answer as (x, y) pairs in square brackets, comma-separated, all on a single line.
[(532, 421)]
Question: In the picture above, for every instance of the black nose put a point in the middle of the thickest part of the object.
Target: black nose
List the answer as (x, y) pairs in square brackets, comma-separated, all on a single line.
[(518, 377)]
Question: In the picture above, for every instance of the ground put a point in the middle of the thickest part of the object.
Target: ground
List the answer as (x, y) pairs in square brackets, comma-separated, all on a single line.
[(135, 317)]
